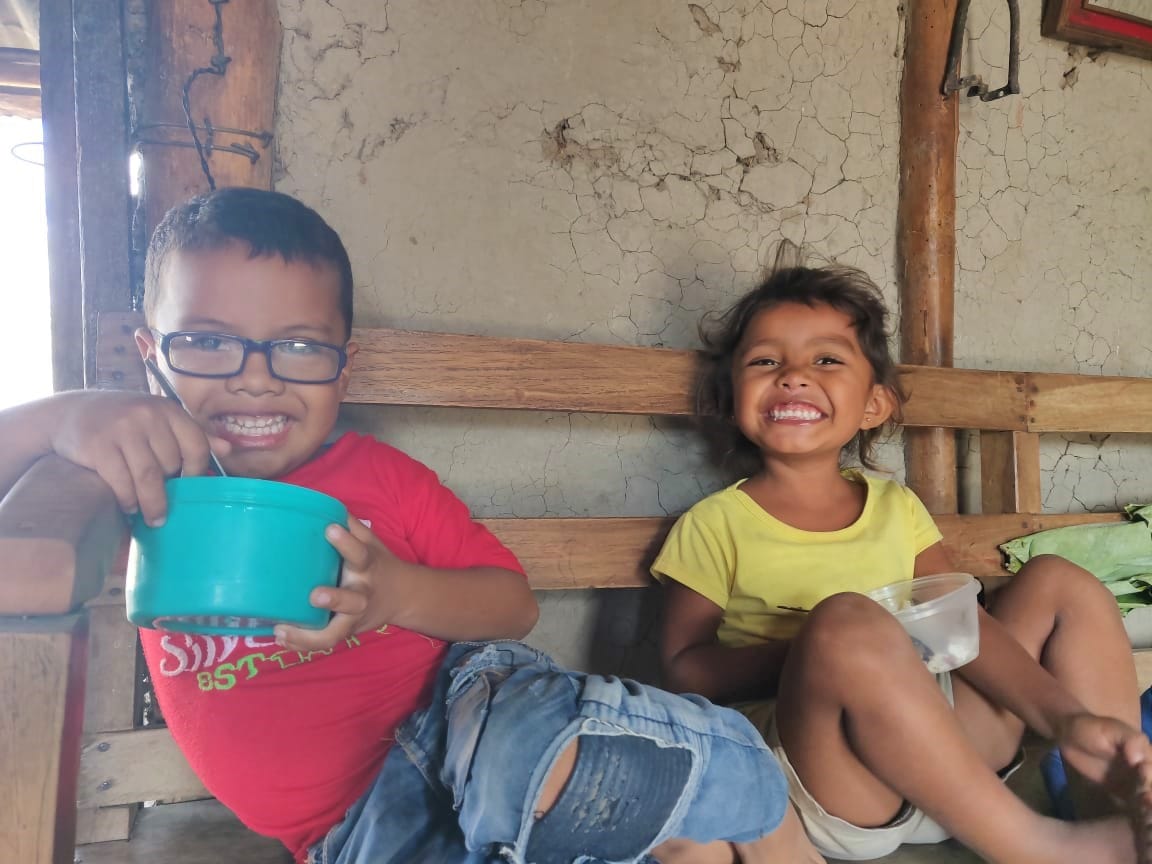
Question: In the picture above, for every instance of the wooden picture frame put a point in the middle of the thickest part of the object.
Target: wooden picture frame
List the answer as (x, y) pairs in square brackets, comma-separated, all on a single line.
[(1111, 25)]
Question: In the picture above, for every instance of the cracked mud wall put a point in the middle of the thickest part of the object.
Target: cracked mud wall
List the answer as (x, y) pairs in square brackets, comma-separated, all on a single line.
[(604, 171), (1054, 237)]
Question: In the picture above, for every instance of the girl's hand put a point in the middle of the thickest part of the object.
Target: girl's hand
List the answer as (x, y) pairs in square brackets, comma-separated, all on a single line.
[(365, 599), (132, 440), (1108, 752)]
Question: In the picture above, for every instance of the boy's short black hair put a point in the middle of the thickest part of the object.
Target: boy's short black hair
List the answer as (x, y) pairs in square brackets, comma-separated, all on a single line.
[(845, 289), (268, 223)]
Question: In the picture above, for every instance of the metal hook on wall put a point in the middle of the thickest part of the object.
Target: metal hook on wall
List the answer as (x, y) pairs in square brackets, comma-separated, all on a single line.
[(974, 84)]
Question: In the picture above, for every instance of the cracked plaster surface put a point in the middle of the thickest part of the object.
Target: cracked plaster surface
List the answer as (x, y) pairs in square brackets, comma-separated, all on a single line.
[(1053, 243), (609, 172)]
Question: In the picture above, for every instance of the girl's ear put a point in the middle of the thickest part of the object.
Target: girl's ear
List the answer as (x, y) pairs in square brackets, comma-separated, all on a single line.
[(881, 405)]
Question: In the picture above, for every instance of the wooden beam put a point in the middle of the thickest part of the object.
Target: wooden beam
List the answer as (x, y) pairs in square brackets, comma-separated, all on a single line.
[(60, 529), (404, 367), (58, 102), (926, 233), (181, 39), (139, 765), (972, 541), (1089, 403), (42, 667), (102, 165), (1009, 472)]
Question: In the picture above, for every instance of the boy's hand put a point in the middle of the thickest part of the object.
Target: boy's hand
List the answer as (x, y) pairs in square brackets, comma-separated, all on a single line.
[(132, 440), (365, 599)]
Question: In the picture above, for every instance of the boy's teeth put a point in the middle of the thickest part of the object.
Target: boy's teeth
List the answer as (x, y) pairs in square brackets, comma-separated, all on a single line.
[(796, 414), (248, 425)]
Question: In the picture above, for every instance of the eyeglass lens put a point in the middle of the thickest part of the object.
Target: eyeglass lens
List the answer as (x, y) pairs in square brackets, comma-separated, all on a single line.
[(211, 354)]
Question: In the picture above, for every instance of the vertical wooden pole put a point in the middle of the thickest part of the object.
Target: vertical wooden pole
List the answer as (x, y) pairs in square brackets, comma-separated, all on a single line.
[(234, 113), (926, 233)]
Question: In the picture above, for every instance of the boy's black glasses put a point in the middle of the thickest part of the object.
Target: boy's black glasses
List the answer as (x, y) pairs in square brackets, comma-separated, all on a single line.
[(218, 355)]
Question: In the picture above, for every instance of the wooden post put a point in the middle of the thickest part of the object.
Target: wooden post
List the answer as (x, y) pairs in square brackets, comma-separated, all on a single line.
[(926, 234), (42, 669), (1009, 472), (234, 113)]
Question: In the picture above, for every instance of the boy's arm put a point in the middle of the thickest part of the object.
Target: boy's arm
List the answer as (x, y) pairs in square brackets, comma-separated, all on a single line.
[(377, 588), (132, 440), (693, 662)]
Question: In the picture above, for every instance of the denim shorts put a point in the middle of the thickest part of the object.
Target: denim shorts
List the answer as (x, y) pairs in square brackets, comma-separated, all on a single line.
[(460, 784)]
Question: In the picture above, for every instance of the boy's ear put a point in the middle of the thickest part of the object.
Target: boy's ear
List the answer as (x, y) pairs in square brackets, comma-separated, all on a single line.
[(880, 407), (146, 343), (345, 378)]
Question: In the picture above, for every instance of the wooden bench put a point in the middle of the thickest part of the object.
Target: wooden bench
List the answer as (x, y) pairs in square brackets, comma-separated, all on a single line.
[(61, 594)]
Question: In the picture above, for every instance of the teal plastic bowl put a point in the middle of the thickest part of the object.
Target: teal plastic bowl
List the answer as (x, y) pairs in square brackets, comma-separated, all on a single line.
[(234, 557)]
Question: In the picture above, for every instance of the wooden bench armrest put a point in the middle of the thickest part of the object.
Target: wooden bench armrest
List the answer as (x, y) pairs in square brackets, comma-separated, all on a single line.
[(60, 529)]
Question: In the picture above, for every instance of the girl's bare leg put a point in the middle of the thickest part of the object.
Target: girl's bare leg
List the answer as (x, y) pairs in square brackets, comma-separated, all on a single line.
[(788, 844), (866, 728), (1069, 622)]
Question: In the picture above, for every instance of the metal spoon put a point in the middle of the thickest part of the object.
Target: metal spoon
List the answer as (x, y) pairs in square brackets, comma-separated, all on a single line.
[(171, 393)]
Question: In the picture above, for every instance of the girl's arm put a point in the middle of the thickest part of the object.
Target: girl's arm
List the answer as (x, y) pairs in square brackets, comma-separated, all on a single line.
[(1004, 672), (693, 662)]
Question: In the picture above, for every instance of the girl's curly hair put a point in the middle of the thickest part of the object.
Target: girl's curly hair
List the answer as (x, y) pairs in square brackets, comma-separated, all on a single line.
[(845, 289)]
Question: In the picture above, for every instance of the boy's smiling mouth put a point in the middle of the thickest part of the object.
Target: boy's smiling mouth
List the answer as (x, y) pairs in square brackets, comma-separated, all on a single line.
[(795, 412), (251, 428)]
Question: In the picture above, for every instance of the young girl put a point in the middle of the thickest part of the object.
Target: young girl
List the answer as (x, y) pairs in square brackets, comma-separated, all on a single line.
[(764, 610)]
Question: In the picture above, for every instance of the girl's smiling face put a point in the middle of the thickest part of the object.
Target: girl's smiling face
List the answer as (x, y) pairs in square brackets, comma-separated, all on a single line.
[(802, 386), (273, 426)]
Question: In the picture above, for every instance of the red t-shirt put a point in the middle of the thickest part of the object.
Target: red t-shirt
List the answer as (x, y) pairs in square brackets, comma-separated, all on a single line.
[(289, 740)]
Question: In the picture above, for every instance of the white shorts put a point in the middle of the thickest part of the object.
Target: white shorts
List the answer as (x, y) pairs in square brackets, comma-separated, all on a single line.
[(833, 836)]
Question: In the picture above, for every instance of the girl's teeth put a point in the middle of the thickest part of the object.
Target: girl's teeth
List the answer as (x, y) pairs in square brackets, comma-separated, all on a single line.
[(795, 414), (255, 426)]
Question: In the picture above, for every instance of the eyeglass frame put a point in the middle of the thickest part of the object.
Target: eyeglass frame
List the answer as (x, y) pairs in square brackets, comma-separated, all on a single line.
[(259, 346)]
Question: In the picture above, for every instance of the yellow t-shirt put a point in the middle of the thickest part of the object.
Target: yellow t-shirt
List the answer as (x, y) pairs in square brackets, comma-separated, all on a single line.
[(730, 550)]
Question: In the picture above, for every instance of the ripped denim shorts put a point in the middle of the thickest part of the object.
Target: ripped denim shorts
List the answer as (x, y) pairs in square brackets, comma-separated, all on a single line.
[(461, 782)]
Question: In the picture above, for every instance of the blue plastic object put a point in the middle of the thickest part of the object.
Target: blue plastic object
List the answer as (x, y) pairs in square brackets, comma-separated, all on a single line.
[(235, 556)]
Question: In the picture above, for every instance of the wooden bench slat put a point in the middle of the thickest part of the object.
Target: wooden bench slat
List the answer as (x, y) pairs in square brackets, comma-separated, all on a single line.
[(56, 547), (134, 765), (1088, 403)]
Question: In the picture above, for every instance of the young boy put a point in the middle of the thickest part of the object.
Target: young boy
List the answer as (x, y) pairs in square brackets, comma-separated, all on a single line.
[(376, 739)]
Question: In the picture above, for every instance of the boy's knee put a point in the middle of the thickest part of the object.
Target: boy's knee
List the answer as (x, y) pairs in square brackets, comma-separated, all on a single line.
[(618, 797)]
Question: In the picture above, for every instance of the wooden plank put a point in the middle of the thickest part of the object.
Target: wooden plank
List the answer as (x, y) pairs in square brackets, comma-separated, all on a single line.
[(972, 541), (42, 670), (197, 832), (1009, 472), (102, 165), (20, 68), (242, 100), (404, 367), (605, 552), (136, 765), (1089, 403), (55, 548), (105, 824), (58, 103), (412, 368), (111, 705), (1143, 660), (965, 398)]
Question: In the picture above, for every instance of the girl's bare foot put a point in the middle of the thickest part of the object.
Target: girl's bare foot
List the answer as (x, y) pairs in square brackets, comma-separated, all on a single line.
[(1140, 814), (788, 843)]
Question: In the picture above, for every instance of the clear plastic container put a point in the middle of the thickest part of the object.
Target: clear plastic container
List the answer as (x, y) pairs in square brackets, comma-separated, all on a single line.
[(940, 614)]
